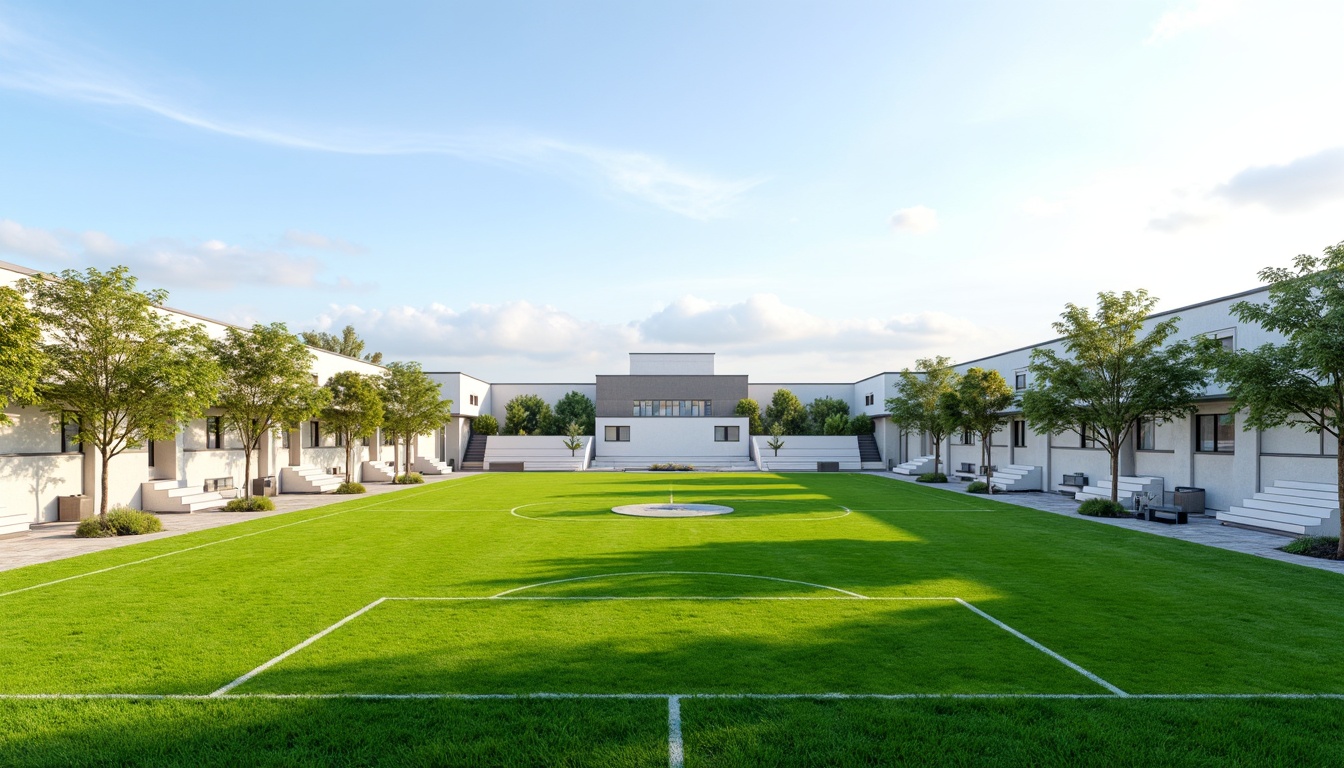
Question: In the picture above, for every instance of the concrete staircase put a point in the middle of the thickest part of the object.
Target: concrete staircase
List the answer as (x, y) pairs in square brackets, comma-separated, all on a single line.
[(308, 480), (428, 466), (377, 472), (870, 457), (13, 523), (169, 497), (1302, 509), (1127, 488), (474, 457), (1018, 477), (920, 466)]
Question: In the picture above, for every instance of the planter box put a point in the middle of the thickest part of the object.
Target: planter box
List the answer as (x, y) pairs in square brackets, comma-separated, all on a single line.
[(72, 509)]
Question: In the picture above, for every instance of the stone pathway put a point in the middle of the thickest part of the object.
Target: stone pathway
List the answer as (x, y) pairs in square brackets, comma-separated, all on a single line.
[(56, 541), (1200, 530)]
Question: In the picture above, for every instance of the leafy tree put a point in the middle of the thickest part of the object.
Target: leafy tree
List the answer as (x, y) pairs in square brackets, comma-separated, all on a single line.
[(348, 344), (485, 424), (354, 410), (576, 408), (131, 373), (751, 411), (1299, 382), (822, 409), (22, 360), (862, 424), (787, 412), (978, 404), (526, 415), (776, 440), (266, 383), (1113, 376), (836, 424), (915, 406), (573, 437), (411, 406)]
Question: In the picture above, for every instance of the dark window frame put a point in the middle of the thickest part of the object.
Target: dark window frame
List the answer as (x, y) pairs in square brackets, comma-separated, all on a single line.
[(68, 443), (1019, 433), (727, 434), (621, 432), (1214, 420), (214, 433), (1020, 380), (1145, 431), (315, 427)]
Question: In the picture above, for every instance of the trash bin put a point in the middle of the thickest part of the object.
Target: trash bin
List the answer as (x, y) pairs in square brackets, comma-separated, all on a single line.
[(264, 486), (1189, 499), (72, 509)]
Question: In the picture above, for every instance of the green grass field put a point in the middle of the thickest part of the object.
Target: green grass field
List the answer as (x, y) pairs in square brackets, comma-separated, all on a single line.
[(514, 620)]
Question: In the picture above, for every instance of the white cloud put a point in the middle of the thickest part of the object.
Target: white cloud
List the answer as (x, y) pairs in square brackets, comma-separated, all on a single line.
[(30, 241), (300, 239), (1042, 208), (28, 63), (1299, 185), (1176, 221), (1191, 15), (918, 220)]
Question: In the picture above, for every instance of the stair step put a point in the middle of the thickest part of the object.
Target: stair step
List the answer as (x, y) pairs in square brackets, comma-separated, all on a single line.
[(1304, 486), (1278, 516), (1301, 493), (1256, 522), (1290, 501)]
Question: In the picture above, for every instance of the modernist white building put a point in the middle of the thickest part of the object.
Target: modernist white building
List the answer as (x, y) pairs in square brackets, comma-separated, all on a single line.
[(679, 408)]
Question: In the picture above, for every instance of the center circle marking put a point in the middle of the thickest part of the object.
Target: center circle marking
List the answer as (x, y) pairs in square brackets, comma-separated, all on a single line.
[(673, 509)]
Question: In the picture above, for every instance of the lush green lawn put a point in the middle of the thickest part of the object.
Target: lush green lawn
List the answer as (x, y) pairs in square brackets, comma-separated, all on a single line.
[(1145, 614)]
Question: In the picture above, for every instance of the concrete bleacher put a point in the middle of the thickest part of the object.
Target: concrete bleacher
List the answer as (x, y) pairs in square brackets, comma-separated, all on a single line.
[(805, 453), (536, 453), (1290, 506)]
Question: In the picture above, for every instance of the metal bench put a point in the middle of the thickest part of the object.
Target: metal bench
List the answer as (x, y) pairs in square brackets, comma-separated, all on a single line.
[(1167, 514)]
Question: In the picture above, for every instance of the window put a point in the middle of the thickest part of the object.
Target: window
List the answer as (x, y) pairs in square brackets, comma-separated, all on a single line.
[(340, 439), (1226, 337), (316, 433), (967, 437), (389, 439), (69, 432), (618, 434), (671, 408), (727, 434), (1147, 434), (475, 400), (1020, 380), (1215, 433), (869, 399), (212, 433), (1088, 437), (1019, 433), (284, 438)]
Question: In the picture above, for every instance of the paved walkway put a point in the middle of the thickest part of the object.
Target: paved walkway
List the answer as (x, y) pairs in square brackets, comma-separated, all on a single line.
[(1200, 529), (56, 541)]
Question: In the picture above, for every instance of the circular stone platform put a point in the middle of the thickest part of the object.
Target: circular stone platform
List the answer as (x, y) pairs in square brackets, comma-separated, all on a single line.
[(671, 510)]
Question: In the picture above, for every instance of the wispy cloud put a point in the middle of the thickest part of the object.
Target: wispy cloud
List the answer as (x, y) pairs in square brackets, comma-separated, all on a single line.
[(1191, 15), (35, 65), (30, 241), (1298, 185), (918, 220), (296, 238)]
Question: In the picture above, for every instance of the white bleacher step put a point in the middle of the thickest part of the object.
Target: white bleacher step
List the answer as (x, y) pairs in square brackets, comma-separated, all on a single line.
[(308, 480), (1278, 516), (1305, 486), (167, 496), (428, 466), (14, 523), (1331, 495), (377, 472), (1258, 522), (920, 466), (1287, 503), (1290, 506)]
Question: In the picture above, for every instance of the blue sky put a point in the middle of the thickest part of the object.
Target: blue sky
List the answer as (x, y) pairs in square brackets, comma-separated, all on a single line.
[(529, 191)]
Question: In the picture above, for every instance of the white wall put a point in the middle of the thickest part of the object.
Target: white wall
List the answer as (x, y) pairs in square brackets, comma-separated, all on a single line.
[(670, 439)]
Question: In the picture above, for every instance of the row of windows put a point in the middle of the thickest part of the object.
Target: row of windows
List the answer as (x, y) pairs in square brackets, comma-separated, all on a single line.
[(728, 434), (1214, 433), (673, 408)]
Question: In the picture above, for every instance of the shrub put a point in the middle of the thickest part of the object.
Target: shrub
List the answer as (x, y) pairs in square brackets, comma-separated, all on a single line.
[(1103, 508), (349, 488), (120, 521), (671, 467), (862, 424), (254, 504), (932, 477), (485, 424), (1313, 546), (978, 486), (411, 479)]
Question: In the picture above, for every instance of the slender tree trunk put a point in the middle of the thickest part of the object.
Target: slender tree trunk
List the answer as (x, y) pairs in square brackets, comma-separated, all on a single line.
[(937, 454), (102, 502), (407, 456), (396, 455), (1115, 473), (1339, 478), (247, 470), (987, 455), (349, 438)]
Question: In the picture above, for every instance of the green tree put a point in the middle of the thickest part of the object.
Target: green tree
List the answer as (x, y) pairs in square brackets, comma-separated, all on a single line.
[(526, 415), (862, 424), (576, 407), (751, 411), (978, 404), (915, 407), (836, 424), (411, 407), (787, 411), (266, 383), (1112, 376), (354, 411), (573, 437), (485, 424), (1300, 381), (348, 344), (776, 440), (22, 360), (820, 411), (131, 373)]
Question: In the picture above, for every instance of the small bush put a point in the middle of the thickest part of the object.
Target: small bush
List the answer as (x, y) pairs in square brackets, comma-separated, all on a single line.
[(671, 467), (978, 486), (349, 488), (1103, 508), (254, 504), (411, 479), (485, 424), (932, 477), (120, 521), (1313, 546), (862, 424)]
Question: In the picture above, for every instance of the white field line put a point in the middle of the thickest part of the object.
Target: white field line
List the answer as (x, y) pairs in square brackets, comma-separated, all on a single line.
[(202, 546), (659, 597), (678, 573), (664, 696), (676, 755), (721, 518), (297, 648), (1044, 650)]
